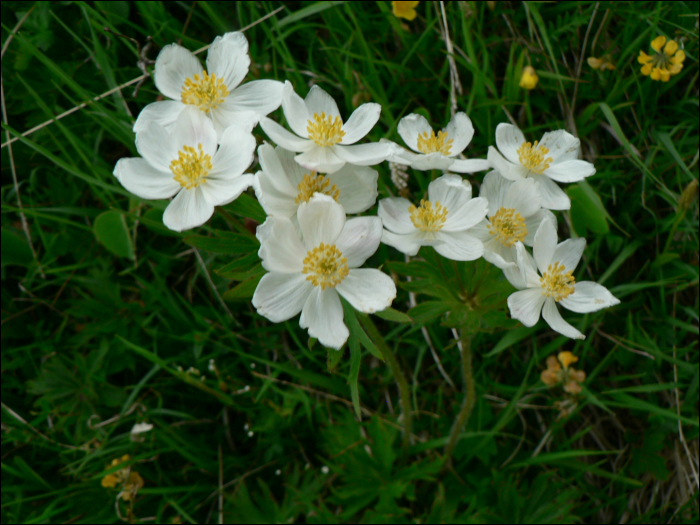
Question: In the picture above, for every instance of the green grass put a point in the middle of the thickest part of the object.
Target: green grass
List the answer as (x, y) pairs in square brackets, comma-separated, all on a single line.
[(92, 337)]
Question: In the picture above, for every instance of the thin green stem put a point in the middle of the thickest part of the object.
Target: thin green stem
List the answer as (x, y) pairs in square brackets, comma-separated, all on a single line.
[(469, 397), (398, 374)]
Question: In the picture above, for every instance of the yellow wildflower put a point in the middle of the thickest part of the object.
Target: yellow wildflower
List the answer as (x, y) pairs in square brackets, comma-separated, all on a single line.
[(405, 10), (529, 78), (129, 480), (602, 63), (666, 62), (558, 371)]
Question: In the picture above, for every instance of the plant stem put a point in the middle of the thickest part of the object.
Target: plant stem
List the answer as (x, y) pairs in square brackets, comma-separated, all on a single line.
[(469, 396), (398, 374)]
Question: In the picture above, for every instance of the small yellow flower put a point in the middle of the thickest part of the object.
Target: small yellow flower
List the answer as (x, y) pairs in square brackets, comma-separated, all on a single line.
[(602, 63), (130, 480), (665, 62), (405, 10), (569, 376), (529, 78)]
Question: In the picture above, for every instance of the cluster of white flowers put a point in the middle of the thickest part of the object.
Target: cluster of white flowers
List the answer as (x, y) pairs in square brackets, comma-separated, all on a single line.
[(197, 146)]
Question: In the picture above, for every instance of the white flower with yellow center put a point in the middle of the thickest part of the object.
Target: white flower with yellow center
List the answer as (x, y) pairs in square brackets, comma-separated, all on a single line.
[(307, 273), (554, 283), (215, 91), (444, 221), (514, 215), (554, 158), (185, 162), (437, 152), (322, 138), (283, 185)]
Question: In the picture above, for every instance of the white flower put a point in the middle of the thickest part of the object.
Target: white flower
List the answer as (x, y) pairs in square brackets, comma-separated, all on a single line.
[(282, 184), (554, 158), (437, 152), (215, 91), (514, 215), (186, 162), (556, 263), (323, 139), (307, 274), (443, 221)]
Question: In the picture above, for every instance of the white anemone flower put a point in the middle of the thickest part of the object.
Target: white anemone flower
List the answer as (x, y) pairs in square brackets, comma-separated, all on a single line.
[(437, 152), (186, 163), (322, 138), (282, 184), (554, 158), (444, 221), (216, 91), (514, 215), (556, 263), (307, 273)]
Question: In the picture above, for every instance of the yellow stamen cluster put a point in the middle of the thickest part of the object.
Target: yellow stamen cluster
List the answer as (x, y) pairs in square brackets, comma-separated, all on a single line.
[(557, 282), (429, 143), (205, 92), (129, 480), (191, 167), (325, 266), (508, 226), (428, 218), (325, 130), (569, 376), (533, 157), (666, 62), (312, 183)]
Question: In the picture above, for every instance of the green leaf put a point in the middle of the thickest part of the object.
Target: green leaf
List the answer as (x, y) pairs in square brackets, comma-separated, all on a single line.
[(244, 290), (587, 211), (393, 315), (427, 311), (231, 244), (247, 206), (111, 231), (355, 355), (334, 357), (15, 249)]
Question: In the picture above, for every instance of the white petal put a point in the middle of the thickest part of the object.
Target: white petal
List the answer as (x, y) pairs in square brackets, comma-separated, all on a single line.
[(459, 246), (509, 139), (163, 113), (321, 220), (528, 269), (281, 250), (561, 145), (280, 296), (460, 130), (395, 215), (361, 122), (466, 216), (368, 290), (224, 119), (226, 188), (470, 165), (273, 185), (157, 147), (589, 297), (189, 209), (553, 198), (506, 168), (235, 154), (570, 171), (364, 154), (323, 316), (322, 159), (284, 138), (359, 239), (295, 111), (410, 127), (400, 155), (228, 58), (318, 101), (173, 66), (408, 243), (526, 305), (544, 245), (569, 253), (357, 186), (523, 196), (551, 314), (294, 171), (513, 276), (259, 96), (533, 222), (451, 190), (143, 180), (481, 231), (193, 127), (494, 189), (499, 255), (430, 161)]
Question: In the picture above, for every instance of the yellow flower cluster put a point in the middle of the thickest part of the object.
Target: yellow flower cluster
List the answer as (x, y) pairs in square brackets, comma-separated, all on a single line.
[(666, 62), (129, 480), (559, 371)]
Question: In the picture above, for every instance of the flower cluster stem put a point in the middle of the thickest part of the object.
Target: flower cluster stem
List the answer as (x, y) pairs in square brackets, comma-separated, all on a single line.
[(469, 397)]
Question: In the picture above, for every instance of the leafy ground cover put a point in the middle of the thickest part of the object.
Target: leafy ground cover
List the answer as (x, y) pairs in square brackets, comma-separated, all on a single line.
[(110, 320)]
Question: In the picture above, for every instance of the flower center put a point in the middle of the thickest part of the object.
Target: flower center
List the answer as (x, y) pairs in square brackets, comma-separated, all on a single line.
[(191, 167), (312, 183), (325, 130), (426, 218), (429, 143), (508, 226), (205, 92), (325, 266), (533, 157), (556, 282)]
